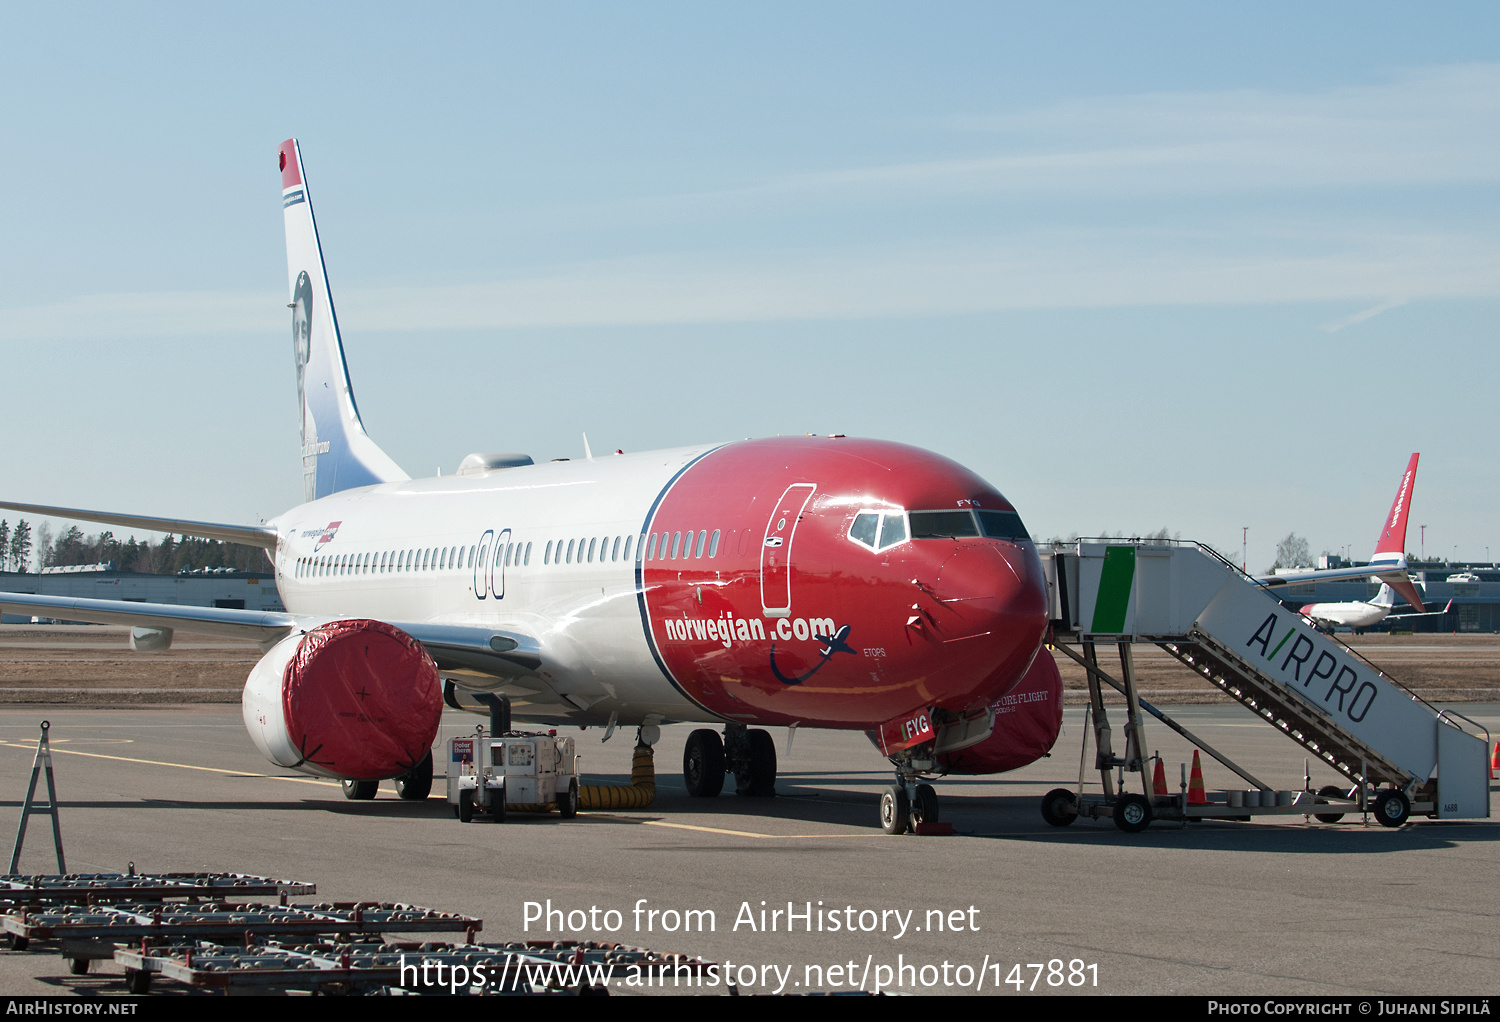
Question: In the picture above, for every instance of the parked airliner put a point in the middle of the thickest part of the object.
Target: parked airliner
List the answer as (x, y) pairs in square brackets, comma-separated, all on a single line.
[(1388, 564), (793, 581), (1359, 614)]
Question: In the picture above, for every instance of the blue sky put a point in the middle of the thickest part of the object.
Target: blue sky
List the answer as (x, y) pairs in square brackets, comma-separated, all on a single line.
[(1193, 266)]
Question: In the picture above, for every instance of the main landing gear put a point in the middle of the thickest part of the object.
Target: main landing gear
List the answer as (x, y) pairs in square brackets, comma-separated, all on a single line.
[(413, 786), (748, 754)]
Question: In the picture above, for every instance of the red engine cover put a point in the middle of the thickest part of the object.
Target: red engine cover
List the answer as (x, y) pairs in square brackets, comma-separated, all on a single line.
[(362, 699), (1027, 720)]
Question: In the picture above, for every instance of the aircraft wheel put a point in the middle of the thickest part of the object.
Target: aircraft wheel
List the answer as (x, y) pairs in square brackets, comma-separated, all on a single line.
[(1392, 807), (924, 804), (359, 791), (1329, 789), (762, 768), (895, 810), (417, 785), (1059, 807), (465, 806), (703, 764), (567, 806), (1132, 813)]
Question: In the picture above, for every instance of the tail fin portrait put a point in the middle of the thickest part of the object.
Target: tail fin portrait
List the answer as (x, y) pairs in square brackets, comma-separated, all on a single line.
[(1390, 548), (337, 454)]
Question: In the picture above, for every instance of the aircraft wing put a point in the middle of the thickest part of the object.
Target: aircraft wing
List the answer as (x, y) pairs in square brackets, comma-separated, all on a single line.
[(1429, 613), (1394, 576), (470, 649), (1298, 578), (249, 535), (260, 625), (467, 649)]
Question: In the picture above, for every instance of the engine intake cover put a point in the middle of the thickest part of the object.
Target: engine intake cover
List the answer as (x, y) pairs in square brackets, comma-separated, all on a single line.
[(351, 699)]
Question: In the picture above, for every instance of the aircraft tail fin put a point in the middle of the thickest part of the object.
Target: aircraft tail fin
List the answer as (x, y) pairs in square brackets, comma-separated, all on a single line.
[(1390, 548), (1386, 597), (337, 454), (1392, 541)]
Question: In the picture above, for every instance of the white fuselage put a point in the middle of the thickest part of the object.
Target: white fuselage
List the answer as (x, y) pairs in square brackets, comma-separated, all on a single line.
[(1347, 615), (414, 552)]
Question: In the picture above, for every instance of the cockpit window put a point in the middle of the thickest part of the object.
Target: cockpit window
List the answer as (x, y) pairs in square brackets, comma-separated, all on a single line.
[(1003, 525), (893, 531), (864, 528), (942, 524)]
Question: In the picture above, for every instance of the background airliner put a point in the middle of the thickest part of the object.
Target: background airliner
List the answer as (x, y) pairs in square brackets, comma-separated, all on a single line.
[(1388, 563), (798, 581), (1358, 614)]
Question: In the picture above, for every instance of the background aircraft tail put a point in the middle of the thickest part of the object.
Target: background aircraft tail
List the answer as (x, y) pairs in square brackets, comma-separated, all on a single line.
[(337, 454), (1390, 548)]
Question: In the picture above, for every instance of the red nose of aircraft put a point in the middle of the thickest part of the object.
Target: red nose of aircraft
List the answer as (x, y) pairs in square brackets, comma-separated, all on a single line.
[(861, 581), (988, 617)]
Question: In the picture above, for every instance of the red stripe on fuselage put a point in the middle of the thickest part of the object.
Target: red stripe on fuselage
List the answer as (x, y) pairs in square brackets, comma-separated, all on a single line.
[(950, 623)]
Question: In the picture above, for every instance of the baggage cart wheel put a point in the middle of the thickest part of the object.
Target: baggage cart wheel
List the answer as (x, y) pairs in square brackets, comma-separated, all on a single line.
[(895, 810), (703, 764), (924, 804), (416, 785), (1392, 807), (137, 981), (1329, 789), (567, 806), (359, 791), (16, 942), (78, 966), (465, 806), (1059, 807), (1132, 813)]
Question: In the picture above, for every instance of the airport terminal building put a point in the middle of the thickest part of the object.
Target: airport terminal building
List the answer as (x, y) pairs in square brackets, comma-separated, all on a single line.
[(207, 588)]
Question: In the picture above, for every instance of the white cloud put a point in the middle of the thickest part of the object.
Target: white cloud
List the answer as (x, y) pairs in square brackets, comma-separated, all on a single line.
[(1429, 129), (1045, 270)]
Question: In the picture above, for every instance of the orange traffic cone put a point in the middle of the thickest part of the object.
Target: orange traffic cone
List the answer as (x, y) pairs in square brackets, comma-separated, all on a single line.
[(1196, 795), (1159, 781), (1495, 761)]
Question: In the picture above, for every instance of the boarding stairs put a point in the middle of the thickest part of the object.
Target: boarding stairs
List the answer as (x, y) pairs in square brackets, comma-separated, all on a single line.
[(1229, 629)]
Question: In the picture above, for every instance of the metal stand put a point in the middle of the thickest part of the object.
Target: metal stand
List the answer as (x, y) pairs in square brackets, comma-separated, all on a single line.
[(43, 759)]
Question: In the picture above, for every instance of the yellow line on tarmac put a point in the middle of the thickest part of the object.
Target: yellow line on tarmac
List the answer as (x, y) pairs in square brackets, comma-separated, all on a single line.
[(180, 766), (743, 833)]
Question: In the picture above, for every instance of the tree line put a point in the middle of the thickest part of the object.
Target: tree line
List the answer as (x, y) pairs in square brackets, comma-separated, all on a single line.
[(168, 556)]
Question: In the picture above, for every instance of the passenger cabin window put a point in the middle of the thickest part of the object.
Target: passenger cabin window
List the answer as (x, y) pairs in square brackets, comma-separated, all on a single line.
[(652, 555)]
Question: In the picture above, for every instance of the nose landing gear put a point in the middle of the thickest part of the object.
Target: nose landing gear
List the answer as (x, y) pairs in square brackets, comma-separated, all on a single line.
[(906, 807)]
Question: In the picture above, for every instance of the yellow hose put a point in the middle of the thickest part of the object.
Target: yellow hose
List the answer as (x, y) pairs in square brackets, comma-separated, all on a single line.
[(640, 793)]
